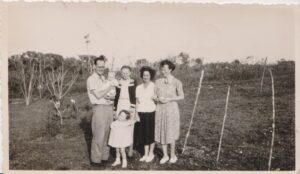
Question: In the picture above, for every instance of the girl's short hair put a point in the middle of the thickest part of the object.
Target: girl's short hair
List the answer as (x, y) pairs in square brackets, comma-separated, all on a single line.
[(149, 69), (126, 112), (126, 67), (170, 64)]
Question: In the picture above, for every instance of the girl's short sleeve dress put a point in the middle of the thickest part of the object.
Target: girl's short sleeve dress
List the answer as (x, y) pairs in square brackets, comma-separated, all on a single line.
[(167, 116), (121, 134)]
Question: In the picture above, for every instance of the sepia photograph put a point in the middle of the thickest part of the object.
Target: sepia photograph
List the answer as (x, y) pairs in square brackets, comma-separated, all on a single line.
[(151, 87)]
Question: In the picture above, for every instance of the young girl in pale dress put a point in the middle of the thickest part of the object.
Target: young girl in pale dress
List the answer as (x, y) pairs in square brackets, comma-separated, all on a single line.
[(121, 136)]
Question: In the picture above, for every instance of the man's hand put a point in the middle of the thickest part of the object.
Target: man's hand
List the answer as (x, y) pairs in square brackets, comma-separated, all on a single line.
[(114, 83), (107, 97)]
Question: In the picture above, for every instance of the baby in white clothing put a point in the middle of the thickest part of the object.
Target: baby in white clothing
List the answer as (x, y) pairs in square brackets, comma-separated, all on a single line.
[(111, 78)]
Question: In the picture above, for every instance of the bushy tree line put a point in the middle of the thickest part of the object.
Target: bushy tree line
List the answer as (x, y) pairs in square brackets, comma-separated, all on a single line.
[(41, 75)]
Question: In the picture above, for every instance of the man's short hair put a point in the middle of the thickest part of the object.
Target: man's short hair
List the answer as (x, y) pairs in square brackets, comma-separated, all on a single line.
[(100, 58)]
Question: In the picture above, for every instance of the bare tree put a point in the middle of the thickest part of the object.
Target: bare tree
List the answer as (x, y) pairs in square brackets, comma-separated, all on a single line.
[(26, 70), (142, 62), (40, 78), (86, 62), (57, 83), (184, 58)]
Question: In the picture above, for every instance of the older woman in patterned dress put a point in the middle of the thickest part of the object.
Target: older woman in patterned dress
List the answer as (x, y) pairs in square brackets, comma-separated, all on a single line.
[(168, 91)]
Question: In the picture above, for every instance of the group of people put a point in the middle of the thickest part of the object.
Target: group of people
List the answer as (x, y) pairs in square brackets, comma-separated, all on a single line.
[(126, 114)]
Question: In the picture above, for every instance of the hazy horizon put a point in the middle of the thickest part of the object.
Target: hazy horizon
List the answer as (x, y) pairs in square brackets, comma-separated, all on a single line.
[(152, 31)]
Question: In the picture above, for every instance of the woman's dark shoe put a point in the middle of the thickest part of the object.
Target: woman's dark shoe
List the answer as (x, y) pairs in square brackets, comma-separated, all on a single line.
[(104, 162), (96, 164)]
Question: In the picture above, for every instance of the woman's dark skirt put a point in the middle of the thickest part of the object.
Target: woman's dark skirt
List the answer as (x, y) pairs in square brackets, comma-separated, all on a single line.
[(144, 130)]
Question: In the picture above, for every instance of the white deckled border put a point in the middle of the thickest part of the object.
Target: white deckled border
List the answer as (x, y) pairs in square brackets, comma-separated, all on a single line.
[(3, 64), (221, 2), (3, 79)]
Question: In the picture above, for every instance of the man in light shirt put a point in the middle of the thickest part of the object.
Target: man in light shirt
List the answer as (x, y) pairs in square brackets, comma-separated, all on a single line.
[(97, 88)]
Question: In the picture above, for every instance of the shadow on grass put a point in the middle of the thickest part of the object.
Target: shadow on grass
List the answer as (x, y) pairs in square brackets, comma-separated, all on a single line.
[(85, 126)]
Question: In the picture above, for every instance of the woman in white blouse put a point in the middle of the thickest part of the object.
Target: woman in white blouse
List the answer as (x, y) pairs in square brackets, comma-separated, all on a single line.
[(145, 106)]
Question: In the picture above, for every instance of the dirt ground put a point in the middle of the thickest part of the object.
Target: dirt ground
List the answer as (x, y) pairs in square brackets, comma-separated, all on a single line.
[(246, 139)]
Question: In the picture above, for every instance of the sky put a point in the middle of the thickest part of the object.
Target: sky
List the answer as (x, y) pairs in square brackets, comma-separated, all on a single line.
[(152, 31)]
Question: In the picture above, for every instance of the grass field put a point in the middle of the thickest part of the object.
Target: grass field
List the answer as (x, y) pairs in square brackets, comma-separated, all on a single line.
[(246, 139)]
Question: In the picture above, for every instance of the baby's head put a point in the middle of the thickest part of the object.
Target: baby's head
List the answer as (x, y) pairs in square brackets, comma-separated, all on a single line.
[(111, 75), (124, 115)]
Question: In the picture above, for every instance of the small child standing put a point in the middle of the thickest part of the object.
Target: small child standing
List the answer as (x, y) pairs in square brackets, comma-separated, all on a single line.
[(121, 136)]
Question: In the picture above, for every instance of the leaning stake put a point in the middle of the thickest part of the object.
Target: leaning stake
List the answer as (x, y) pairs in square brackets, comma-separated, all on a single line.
[(194, 109), (220, 142), (273, 124)]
